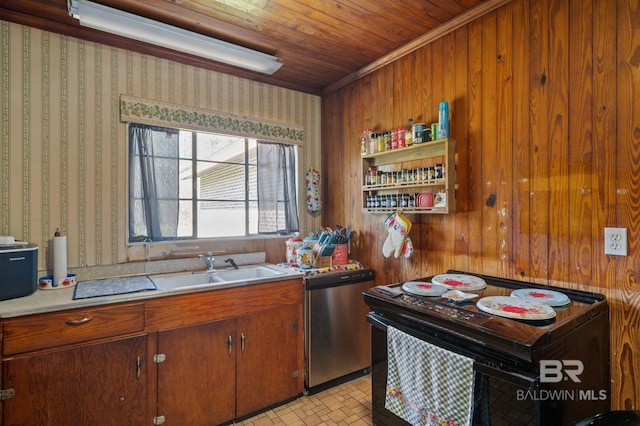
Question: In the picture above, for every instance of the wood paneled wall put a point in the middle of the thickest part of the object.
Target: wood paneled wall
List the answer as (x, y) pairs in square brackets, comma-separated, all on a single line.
[(544, 106)]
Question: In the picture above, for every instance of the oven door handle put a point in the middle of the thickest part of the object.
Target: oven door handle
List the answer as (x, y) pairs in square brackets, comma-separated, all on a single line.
[(518, 379), (376, 321)]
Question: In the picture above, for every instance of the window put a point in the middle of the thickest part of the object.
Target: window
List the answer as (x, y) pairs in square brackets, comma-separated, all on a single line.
[(185, 184)]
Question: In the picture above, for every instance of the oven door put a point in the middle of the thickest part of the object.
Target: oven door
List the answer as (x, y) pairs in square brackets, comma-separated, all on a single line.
[(501, 397)]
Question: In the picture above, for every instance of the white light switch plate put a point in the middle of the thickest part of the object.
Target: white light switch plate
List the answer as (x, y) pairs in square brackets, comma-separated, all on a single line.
[(615, 241)]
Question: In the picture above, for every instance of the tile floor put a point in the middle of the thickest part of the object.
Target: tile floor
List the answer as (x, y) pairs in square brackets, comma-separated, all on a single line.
[(345, 404)]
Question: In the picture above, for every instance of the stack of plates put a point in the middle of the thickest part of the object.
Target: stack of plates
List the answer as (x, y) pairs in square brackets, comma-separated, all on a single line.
[(460, 282)]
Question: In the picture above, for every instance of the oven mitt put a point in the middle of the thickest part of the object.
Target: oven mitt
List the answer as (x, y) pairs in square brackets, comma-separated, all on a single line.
[(387, 247), (404, 225), (313, 190), (407, 250), (398, 227)]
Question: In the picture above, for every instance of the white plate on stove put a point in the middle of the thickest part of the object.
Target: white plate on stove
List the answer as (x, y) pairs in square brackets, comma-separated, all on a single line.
[(548, 297), (423, 288), (513, 307), (460, 282)]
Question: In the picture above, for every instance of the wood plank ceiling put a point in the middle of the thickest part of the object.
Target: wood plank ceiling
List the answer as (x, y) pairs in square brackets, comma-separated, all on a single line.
[(323, 44)]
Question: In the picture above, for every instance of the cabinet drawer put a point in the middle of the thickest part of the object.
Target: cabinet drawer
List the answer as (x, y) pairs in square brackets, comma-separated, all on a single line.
[(44, 331)]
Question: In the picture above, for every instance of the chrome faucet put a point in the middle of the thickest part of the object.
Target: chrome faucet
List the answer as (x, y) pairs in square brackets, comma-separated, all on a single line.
[(208, 260)]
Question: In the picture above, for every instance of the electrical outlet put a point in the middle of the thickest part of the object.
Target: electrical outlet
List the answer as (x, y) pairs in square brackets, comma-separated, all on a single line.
[(615, 241)]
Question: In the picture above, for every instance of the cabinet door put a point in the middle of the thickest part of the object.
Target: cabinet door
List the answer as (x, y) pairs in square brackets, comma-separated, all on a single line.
[(94, 384), (269, 364), (196, 381)]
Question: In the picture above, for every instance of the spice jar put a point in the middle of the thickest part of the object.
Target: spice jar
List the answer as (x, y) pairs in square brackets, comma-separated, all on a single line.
[(380, 142), (373, 143)]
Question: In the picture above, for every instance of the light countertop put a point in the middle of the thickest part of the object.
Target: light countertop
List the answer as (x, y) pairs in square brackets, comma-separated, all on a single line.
[(43, 301)]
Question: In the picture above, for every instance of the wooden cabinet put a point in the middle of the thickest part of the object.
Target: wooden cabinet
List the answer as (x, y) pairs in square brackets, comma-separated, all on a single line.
[(202, 358), (215, 372), (269, 367), (227, 353), (81, 366), (196, 376), (416, 179)]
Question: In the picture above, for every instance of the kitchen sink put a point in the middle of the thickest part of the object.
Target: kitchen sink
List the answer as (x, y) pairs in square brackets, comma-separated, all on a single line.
[(251, 273), (183, 280), (221, 277)]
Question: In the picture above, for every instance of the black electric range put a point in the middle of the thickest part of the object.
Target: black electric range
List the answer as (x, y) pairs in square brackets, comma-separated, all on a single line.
[(507, 353)]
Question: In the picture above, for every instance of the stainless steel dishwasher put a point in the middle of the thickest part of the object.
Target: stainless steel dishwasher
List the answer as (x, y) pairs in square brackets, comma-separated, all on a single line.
[(337, 335)]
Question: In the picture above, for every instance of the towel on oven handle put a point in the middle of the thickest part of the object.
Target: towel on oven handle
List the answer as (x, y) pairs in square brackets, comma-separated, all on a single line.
[(428, 385)]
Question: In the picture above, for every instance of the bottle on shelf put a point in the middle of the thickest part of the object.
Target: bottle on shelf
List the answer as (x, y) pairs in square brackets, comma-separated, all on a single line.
[(373, 143), (383, 178), (409, 134), (364, 142), (363, 146), (380, 142), (443, 120)]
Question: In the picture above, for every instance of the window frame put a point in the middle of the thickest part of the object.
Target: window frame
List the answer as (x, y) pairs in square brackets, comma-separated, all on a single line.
[(194, 185), (195, 199)]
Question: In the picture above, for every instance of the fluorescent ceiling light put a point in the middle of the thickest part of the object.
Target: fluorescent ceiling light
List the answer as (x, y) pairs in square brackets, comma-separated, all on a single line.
[(125, 24)]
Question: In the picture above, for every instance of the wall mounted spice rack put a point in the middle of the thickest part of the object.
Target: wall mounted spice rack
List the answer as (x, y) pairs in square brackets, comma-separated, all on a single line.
[(416, 179)]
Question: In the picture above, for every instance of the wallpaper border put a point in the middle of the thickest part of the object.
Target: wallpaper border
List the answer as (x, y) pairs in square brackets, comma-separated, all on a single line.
[(145, 111)]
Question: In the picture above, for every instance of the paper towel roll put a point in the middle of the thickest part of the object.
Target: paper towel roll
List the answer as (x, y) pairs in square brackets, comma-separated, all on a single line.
[(59, 259)]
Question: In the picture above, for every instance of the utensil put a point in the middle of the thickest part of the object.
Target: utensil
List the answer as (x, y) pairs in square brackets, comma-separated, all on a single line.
[(326, 249)]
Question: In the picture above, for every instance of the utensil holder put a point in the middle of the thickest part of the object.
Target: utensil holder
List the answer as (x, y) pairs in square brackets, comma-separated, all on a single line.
[(323, 262)]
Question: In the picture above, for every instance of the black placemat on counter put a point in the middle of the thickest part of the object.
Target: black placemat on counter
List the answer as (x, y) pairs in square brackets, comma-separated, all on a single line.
[(112, 286)]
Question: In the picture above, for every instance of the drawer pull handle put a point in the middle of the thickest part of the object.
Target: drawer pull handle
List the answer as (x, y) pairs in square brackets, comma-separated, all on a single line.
[(79, 321)]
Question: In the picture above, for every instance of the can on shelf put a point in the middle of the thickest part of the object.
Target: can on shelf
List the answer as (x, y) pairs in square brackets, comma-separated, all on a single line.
[(394, 138), (402, 137), (418, 132)]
